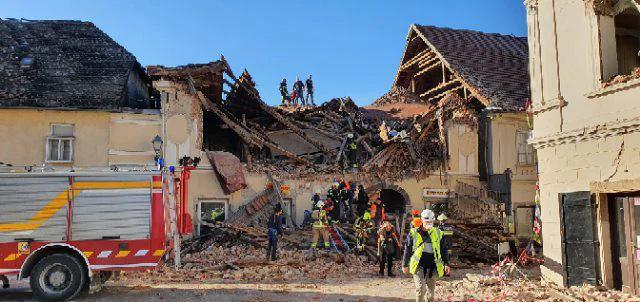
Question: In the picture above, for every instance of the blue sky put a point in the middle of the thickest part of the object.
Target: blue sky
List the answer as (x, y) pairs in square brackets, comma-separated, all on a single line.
[(352, 48)]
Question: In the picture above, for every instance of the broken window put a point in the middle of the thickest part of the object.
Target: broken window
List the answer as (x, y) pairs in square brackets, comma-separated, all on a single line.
[(526, 153), (621, 30), (627, 40), (59, 146)]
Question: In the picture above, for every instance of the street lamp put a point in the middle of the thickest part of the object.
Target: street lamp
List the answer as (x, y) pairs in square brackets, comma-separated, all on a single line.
[(157, 146)]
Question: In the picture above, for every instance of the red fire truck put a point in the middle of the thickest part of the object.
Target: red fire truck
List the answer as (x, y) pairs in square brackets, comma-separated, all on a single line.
[(64, 230)]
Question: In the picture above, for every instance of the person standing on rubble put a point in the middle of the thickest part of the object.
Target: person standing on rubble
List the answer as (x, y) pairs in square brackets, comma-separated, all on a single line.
[(426, 257), (319, 227), (362, 200), (377, 212), (363, 227), (309, 83), (387, 244), (352, 151), (446, 229), (286, 101), (274, 228), (298, 88), (335, 194)]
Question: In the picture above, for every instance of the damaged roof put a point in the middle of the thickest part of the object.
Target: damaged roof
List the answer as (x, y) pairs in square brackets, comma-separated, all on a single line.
[(496, 65), (64, 64)]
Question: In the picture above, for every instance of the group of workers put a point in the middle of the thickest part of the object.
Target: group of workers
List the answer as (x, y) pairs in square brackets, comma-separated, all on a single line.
[(297, 93), (426, 247)]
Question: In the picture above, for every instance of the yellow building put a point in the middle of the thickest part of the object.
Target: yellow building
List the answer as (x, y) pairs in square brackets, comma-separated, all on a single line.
[(76, 101), (584, 86)]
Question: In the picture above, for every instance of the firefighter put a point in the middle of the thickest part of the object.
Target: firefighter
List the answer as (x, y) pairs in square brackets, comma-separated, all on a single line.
[(447, 229), (377, 212), (352, 151), (363, 226), (388, 243), (319, 227), (335, 194), (286, 101)]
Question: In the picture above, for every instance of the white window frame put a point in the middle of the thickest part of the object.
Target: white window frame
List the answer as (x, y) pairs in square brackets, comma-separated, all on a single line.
[(60, 140), (527, 147)]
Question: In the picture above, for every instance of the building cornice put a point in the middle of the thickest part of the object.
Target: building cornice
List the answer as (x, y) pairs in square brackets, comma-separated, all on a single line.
[(588, 133)]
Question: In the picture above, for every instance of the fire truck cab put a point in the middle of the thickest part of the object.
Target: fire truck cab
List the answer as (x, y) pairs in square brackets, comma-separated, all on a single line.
[(64, 229)]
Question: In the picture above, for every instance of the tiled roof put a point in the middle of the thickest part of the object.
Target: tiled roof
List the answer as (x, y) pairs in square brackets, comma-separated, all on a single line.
[(74, 65), (494, 64)]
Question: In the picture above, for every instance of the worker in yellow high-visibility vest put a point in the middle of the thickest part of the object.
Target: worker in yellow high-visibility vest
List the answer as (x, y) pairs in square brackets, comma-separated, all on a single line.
[(425, 257)]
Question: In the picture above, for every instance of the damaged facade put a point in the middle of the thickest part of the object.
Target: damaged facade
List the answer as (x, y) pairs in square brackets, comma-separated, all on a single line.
[(464, 94), (71, 98), (584, 83)]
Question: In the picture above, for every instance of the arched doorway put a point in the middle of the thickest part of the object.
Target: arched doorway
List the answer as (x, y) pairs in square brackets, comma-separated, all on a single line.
[(395, 199)]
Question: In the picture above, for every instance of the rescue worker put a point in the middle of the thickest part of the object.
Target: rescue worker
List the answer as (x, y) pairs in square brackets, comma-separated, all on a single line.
[(335, 194), (363, 226), (416, 221), (286, 101), (377, 212), (362, 201), (314, 200), (319, 227), (446, 229), (387, 244), (298, 88), (274, 226), (352, 151), (5, 281), (425, 257), (309, 83)]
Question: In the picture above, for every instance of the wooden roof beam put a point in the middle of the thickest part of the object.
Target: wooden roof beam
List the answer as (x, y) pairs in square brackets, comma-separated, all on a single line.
[(441, 86)]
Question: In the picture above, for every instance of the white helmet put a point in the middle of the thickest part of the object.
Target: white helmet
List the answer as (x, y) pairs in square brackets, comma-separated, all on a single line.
[(427, 214), (320, 204), (335, 184), (442, 217)]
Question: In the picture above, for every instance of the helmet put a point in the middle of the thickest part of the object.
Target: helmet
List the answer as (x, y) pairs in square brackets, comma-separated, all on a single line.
[(427, 214), (350, 135), (320, 204), (335, 184), (318, 191), (366, 216), (442, 217), (284, 79)]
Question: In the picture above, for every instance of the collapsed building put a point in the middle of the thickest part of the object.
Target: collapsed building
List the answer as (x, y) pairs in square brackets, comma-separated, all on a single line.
[(451, 132)]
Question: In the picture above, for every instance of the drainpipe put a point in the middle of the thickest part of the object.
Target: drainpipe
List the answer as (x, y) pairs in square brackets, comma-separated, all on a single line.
[(555, 33)]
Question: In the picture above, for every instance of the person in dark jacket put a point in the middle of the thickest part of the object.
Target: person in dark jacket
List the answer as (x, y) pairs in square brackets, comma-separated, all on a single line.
[(286, 100), (362, 201), (309, 83), (426, 256), (274, 226), (387, 244)]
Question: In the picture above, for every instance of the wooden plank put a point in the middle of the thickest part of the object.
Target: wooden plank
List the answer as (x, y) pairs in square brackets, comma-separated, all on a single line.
[(439, 87), (444, 93)]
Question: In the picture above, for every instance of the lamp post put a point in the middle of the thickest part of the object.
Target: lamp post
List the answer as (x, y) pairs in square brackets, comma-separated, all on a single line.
[(157, 146)]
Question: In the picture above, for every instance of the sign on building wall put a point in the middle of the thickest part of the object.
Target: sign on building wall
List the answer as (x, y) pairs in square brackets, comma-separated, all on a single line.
[(436, 193)]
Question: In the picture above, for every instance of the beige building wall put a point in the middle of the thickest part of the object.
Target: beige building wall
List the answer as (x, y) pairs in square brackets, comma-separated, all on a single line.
[(583, 132), (101, 139)]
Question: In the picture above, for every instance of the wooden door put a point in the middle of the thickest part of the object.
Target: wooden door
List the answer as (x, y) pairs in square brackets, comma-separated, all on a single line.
[(627, 237)]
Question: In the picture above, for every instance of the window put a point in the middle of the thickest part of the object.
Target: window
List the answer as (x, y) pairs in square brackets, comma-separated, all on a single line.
[(59, 146), (524, 221), (621, 31), (211, 210), (526, 153)]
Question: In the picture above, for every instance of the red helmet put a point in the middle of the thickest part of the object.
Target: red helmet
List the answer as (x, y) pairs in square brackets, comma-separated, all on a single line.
[(415, 213)]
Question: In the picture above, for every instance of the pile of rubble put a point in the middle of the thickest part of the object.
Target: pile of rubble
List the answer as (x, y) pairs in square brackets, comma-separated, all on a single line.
[(397, 95), (635, 74), (239, 253)]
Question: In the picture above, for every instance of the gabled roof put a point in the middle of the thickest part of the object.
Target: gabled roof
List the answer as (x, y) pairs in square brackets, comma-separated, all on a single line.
[(74, 65), (495, 65)]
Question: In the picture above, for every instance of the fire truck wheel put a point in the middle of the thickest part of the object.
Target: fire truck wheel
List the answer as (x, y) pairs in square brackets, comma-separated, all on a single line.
[(57, 277)]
